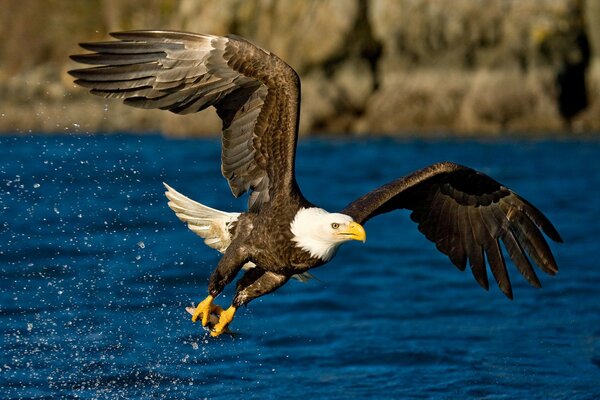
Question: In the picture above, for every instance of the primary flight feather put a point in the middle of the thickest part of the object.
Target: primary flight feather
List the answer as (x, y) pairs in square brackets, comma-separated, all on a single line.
[(282, 235)]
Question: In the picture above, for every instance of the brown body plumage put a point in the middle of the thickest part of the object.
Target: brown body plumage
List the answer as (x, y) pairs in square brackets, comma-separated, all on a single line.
[(257, 95)]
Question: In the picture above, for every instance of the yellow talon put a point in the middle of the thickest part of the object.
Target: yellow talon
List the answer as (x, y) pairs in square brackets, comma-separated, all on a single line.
[(225, 318), (205, 309)]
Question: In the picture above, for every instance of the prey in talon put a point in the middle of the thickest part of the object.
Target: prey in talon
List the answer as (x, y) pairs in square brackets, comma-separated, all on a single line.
[(205, 309), (282, 235), (212, 315), (210, 322)]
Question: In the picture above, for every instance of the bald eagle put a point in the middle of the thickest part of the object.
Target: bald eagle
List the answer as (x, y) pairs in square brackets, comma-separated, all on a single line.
[(257, 96)]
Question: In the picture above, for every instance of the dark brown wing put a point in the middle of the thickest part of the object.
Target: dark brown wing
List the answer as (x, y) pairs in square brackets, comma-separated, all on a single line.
[(255, 93), (466, 214)]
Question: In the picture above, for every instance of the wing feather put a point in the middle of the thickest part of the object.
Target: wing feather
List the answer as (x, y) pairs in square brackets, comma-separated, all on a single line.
[(441, 232), (255, 93), (473, 248), (477, 261), (467, 214), (428, 218), (517, 254), (488, 235), (498, 266), (500, 219), (530, 238), (535, 215), (454, 246)]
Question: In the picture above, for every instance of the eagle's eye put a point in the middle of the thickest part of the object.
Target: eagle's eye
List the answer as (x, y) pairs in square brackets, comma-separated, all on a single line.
[(335, 225)]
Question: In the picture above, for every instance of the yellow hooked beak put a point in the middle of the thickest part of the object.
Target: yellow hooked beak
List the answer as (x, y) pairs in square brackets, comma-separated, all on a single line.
[(354, 231)]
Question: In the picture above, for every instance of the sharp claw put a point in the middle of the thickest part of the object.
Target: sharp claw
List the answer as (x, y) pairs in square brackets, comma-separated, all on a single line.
[(205, 317), (225, 319)]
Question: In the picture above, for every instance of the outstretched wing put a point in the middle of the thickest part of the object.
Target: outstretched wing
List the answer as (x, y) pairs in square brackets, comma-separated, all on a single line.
[(255, 93), (466, 214)]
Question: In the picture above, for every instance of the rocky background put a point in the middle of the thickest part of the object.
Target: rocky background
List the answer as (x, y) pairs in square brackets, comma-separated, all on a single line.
[(406, 67)]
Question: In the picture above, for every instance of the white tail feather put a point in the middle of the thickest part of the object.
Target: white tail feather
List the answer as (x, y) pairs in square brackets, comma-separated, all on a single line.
[(210, 224)]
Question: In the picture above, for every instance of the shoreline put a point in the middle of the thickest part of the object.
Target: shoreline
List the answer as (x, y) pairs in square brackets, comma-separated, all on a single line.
[(382, 68), (407, 136)]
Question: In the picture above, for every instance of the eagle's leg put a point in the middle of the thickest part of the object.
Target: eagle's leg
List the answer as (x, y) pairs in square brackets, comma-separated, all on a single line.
[(255, 283), (228, 267)]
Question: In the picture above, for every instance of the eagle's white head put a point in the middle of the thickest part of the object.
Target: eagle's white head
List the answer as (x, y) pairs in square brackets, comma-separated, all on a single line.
[(320, 232)]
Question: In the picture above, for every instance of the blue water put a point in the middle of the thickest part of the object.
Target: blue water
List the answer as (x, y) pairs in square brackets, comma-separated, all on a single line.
[(96, 271)]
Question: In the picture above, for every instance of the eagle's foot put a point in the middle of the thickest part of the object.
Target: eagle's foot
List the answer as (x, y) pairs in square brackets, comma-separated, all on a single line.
[(205, 309), (225, 318)]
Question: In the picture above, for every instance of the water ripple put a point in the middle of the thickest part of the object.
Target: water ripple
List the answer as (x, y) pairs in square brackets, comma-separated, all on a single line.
[(96, 272)]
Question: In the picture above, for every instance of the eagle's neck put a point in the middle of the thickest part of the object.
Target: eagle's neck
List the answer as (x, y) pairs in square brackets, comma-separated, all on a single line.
[(307, 236)]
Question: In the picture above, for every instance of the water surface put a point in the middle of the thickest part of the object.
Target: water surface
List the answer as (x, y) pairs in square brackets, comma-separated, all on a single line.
[(96, 272)]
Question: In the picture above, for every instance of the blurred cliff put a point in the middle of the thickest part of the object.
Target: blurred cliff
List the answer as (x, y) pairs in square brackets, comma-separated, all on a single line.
[(395, 67)]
